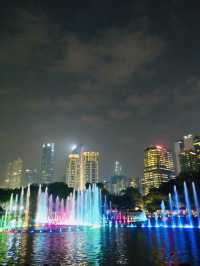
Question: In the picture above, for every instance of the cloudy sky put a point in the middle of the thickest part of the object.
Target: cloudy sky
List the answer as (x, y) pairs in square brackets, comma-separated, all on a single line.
[(117, 75)]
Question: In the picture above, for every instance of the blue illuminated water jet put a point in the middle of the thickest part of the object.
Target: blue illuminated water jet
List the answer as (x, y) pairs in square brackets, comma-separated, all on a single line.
[(196, 202), (177, 207), (188, 207), (171, 210)]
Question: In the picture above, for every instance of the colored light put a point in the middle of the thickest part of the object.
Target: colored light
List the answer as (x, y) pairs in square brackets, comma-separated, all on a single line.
[(159, 147)]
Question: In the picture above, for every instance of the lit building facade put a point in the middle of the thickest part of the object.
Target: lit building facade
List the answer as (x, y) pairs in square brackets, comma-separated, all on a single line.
[(82, 167), (187, 153), (73, 170), (47, 172), (133, 182), (188, 161), (196, 145), (178, 148), (90, 166), (158, 167), (117, 168), (14, 174)]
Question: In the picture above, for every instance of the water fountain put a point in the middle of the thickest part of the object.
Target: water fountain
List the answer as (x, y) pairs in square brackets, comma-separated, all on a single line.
[(16, 212), (163, 211), (85, 207), (177, 207), (171, 210), (177, 218), (82, 207), (196, 202), (188, 207)]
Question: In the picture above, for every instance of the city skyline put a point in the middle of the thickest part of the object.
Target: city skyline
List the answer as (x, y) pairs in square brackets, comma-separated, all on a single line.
[(188, 142), (125, 78)]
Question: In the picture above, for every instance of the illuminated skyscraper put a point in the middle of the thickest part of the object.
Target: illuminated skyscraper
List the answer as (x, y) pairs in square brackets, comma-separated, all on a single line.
[(196, 145), (47, 173), (89, 166), (188, 142), (188, 161), (158, 167), (14, 174), (178, 148), (187, 152), (73, 170), (117, 169), (82, 167)]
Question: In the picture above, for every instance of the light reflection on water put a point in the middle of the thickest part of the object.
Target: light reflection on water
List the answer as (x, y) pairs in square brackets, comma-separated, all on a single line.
[(102, 246)]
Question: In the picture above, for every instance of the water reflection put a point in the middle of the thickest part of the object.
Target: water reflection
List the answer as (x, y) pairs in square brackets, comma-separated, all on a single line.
[(102, 246)]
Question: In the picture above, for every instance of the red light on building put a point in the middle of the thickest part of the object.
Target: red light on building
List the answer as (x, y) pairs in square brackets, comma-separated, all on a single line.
[(159, 147)]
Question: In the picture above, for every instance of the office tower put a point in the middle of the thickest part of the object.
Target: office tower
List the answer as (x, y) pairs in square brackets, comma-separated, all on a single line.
[(178, 148), (73, 170), (14, 174), (89, 167), (188, 142), (188, 161), (117, 169), (82, 167), (133, 182), (183, 147), (47, 173), (118, 184), (158, 167), (30, 177), (187, 153), (196, 145)]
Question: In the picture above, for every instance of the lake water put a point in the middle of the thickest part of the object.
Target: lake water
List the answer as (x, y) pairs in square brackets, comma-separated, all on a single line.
[(102, 246)]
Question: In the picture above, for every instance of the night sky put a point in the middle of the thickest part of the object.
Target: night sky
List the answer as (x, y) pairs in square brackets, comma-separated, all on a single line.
[(117, 75)]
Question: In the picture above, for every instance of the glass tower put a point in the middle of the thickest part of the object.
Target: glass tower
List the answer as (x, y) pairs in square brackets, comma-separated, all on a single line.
[(47, 173)]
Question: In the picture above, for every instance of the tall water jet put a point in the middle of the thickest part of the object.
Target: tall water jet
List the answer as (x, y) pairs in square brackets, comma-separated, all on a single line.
[(163, 212), (20, 209), (27, 206), (81, 207), (196, 202), (188, 207), (42, 207), (156, 220), (177, 207), (171, 210)]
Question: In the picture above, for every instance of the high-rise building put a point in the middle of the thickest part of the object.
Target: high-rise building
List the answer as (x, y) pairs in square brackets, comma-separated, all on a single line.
[(188, 161), (158, 167), (178, 148), (133, 182), (73, 170), (89, 170), (188, 142), (117, 168), (30, 177), (187, 153), (82, 167), (196, 145), (47, 173), (14, 174), (118, 184)]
